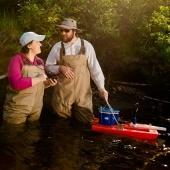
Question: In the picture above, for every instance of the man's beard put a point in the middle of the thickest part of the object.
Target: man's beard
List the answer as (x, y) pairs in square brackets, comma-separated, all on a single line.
[(67, 39)]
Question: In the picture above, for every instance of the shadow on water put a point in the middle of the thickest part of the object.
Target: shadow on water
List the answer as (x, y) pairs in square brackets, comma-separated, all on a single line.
[(64, 144)]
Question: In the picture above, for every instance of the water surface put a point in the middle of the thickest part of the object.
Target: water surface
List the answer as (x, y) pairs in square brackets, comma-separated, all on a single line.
[(61, 144)]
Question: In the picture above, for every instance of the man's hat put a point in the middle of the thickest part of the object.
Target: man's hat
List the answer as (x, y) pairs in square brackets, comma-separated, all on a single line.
[(30, 36), (69, 24)]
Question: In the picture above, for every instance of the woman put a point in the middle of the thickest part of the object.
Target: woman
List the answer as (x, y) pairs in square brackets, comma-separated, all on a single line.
[(27, 80)]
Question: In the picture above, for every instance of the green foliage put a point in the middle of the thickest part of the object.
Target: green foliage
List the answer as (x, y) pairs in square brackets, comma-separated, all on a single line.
[(138, 50), (40, 18), (10, 5), (39, 15), (9, 29), (97, 19), (160, 36), (160, 26), (131, 37), (9, 33)]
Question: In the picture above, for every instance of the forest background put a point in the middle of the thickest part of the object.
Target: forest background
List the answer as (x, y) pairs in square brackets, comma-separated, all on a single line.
[(131, 37)]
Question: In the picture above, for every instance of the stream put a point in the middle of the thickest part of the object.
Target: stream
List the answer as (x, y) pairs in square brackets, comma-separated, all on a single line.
[(64, 144)]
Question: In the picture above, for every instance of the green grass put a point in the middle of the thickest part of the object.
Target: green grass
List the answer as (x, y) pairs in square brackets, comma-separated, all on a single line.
[(10, 31)]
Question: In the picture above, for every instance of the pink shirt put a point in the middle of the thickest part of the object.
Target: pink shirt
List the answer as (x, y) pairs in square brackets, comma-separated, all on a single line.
[(15, 78)]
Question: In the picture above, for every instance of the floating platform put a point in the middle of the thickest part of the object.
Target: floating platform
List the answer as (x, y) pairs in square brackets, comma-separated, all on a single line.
[(138, 131)]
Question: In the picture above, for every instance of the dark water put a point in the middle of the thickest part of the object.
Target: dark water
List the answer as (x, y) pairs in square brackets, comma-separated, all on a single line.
[(62, 144)]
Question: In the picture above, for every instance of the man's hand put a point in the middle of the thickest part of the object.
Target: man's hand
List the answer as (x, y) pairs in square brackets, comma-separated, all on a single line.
[(104, 94), (67, 71)]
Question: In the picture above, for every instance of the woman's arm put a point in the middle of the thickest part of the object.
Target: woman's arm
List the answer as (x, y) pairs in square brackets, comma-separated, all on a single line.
[(14, 74), (15, 78)]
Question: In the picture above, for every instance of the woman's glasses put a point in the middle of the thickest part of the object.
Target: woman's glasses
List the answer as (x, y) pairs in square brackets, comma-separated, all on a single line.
[(65, 30)]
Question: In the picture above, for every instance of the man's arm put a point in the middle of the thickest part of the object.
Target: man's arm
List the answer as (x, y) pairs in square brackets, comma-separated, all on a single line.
[(52, 60)]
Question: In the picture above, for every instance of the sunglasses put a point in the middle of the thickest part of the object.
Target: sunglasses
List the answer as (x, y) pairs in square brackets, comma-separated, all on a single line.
[(65, 30)]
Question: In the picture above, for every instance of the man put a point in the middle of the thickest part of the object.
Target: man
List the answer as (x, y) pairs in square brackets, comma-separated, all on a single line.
[(74, 60)]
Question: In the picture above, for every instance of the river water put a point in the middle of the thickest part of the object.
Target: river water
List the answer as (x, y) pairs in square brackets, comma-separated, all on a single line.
[(63, 144)]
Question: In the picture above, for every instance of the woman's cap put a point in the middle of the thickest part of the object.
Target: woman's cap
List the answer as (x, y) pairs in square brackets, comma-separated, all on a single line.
[(69, 24), (30, 36)]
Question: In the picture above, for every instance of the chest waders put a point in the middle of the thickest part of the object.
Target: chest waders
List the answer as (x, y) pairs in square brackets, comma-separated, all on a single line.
[(25, 104), (74, 96)]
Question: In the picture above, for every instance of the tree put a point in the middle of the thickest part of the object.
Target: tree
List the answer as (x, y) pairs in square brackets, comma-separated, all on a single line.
[(40, 18), (98, 19)]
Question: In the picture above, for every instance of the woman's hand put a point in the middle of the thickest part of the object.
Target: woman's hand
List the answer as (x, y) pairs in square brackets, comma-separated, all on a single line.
[(50, 82)]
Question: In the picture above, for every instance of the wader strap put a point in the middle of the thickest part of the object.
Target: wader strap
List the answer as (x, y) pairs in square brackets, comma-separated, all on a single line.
[(26, 62), (39, 62), (82, 49), (62, 50)]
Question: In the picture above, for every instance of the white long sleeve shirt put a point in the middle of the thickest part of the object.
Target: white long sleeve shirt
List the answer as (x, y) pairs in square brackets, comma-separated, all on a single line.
[(73, 49)]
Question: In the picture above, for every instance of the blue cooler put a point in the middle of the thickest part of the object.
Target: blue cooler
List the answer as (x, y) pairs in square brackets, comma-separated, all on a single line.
[(106, 116)]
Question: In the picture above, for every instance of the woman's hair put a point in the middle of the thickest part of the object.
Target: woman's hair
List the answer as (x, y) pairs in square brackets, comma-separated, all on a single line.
[(25, 49)]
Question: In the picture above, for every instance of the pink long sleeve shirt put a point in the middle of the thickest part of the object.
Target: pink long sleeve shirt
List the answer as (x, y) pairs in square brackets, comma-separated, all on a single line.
[(15, 78)]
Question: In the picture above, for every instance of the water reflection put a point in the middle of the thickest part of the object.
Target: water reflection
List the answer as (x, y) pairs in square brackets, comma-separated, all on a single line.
[(17, 145), (60, 144)]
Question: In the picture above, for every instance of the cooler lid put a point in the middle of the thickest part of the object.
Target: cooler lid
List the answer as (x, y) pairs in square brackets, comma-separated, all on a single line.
[(107, 109)]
